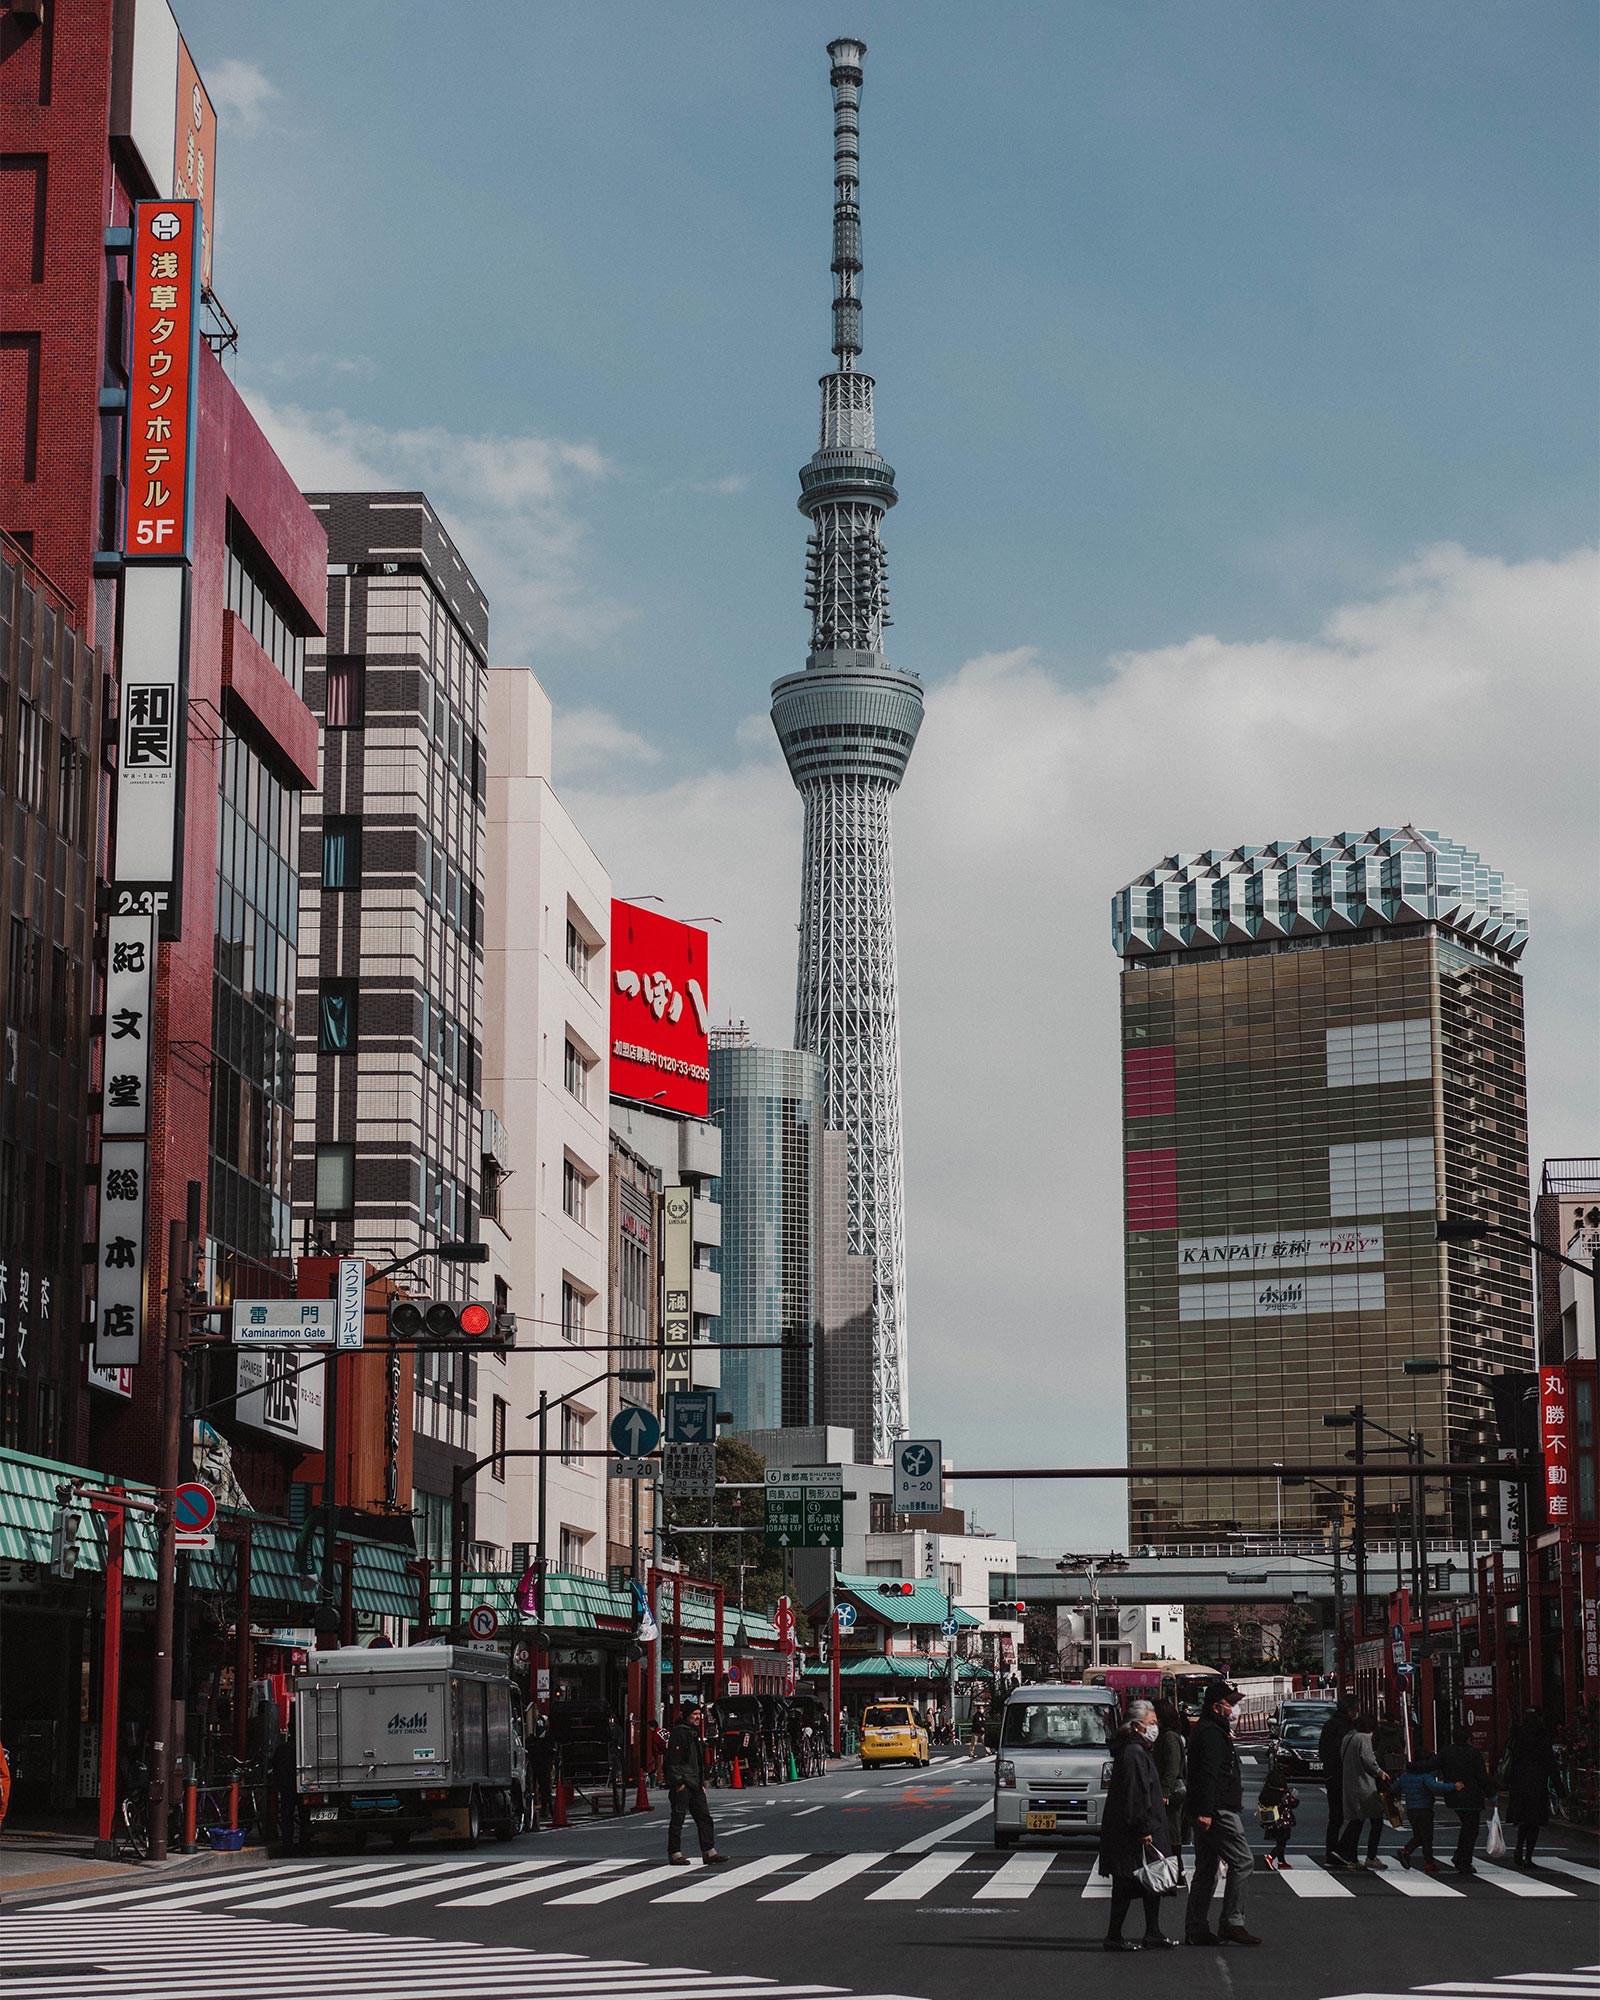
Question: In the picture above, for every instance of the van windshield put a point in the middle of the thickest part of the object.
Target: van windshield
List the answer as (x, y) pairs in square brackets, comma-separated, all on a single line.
[(886, 1718), (1057, 1725)]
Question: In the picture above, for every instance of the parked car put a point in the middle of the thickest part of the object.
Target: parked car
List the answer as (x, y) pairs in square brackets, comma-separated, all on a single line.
[(1053, 1761), (1295, 1732), (891, 1734)]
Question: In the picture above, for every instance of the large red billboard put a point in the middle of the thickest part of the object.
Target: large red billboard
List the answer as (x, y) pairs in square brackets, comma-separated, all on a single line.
[(660, 1011), (164, 285)]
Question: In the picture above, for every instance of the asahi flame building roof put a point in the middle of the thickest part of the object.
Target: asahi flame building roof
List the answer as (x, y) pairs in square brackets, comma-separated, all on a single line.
[(1319, 885), (847, 724)]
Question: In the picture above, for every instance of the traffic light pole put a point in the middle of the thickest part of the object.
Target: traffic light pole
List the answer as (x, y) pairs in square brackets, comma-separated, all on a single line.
[(159, 1755)]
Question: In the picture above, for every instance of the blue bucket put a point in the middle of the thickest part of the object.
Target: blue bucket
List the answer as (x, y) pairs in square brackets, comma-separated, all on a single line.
[(225, 1839)]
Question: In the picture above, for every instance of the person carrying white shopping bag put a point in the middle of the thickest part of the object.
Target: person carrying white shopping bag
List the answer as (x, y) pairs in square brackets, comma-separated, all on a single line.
[(1462, 1764)]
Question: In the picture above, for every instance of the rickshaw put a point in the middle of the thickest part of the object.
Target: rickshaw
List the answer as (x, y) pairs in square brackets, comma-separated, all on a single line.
[(587, 1744)]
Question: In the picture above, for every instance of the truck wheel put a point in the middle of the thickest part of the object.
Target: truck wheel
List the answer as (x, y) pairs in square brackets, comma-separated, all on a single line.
[(505, 1826), (474, 1818)]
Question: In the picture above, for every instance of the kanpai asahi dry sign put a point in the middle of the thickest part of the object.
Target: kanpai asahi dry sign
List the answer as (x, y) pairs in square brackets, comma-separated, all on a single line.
[(660, 1013)]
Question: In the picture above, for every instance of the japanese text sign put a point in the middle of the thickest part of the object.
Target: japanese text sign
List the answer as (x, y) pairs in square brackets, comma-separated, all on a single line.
[(119, 1278), (130, 955), (660, 1015), (195, 155), (677, 1320), (1555, 1436), (164, 288)]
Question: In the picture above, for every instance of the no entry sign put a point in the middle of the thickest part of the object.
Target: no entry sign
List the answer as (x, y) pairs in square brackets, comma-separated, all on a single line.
[(194, 1514)]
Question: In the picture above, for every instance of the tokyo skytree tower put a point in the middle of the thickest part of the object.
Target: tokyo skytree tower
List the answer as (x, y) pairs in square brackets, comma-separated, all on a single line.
[(847, 725)]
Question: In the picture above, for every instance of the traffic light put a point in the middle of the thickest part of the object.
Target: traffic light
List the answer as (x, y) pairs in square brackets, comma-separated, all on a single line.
[(897, 1590), (1012, 1608), (449, 1321), (64, 1543)]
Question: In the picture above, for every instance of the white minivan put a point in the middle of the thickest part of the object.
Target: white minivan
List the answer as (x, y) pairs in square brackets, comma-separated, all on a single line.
[(1053, 1759)]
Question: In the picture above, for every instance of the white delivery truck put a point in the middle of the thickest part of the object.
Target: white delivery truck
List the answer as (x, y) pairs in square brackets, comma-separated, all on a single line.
[(408, 1739)]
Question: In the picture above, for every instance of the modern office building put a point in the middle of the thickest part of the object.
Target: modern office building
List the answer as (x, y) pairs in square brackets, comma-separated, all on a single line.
[(770, 1105), (1322, 1052), (847, 724), (546, 1070), (388, 1131)]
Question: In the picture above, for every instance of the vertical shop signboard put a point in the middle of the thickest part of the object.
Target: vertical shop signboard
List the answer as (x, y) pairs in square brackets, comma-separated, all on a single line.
[(677, 1321), (119, 1276), (1555, 1438)]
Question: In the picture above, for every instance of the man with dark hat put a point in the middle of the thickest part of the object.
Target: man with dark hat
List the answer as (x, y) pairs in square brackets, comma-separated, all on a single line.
[(1216, 1805), (685, 1773)]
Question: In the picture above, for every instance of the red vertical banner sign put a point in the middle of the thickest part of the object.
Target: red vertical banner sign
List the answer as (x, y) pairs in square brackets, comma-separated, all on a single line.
[(1555, 1438), (163, 350)]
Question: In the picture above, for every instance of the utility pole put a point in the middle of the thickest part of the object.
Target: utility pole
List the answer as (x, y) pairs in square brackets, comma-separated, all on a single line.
[(159, 1758)]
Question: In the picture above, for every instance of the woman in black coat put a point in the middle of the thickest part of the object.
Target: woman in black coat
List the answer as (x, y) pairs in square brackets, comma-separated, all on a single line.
[(1133, 1828), (1530, 1771)]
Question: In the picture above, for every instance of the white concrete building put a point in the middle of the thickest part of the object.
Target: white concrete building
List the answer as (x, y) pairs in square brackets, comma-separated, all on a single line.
[(545, 1079), (1128, 1632)]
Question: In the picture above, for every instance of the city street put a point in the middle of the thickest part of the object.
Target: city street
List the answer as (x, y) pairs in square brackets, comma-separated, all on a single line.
[(863, 1883)]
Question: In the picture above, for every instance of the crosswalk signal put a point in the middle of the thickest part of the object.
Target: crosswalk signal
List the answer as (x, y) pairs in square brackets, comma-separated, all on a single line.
[(64, 1543)]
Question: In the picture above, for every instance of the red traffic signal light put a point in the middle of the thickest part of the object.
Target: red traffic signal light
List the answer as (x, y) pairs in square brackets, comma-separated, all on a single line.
[(428, 1320), (897, 1589)]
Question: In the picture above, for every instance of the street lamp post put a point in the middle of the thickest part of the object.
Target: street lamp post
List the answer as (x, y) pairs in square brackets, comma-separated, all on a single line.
[(1356, 1419), (1340, 1655)]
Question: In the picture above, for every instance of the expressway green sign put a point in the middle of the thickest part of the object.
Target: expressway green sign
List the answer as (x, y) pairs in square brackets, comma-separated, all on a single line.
[(804, 1517)]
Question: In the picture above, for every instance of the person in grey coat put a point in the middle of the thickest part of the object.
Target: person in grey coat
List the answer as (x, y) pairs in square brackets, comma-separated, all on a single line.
[(1365, 1780)]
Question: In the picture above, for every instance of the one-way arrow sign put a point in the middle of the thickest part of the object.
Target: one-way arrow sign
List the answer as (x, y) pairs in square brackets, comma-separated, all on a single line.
[(635, 1431)]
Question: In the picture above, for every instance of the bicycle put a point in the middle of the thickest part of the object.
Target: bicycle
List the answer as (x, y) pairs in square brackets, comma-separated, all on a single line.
[(131, 1830)]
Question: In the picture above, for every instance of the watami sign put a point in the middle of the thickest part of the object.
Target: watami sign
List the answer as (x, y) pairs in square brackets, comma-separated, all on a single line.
[(660, 1016)]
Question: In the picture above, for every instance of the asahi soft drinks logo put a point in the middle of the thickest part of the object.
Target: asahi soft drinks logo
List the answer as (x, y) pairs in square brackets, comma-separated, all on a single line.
[(408, 1725)]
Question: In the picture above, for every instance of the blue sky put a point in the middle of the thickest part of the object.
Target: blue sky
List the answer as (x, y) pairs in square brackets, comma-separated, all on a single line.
[(1238, 365), (1185, 317)]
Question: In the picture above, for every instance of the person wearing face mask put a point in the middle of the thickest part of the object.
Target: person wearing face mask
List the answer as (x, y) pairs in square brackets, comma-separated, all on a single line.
[(1133, 1829), (1216, 1805)]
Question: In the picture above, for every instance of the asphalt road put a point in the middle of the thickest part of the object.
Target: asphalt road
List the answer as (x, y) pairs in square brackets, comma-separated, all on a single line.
[(865, 1883)]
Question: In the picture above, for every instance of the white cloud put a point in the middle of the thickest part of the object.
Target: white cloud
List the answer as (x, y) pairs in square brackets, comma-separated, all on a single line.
[(1460, 697), (510, 502), (241, 92), (724, 483), (590, 743)]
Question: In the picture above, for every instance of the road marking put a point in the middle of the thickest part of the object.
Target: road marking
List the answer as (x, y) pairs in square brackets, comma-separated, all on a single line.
[(918, 1879), (1517, 1885), (858, 1792), (1017, 1879), (508, 1892), (111, 1899), (475, 1872), (1573, 1868), (924, 1841), (326, 1892), (1415, 1882), (807, 1811), (1097, 1885), (821, 1880), (607, 1892), (1309, 1878), (711, 1886)]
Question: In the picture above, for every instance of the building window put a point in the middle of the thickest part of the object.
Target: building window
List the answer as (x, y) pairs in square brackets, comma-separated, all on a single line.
[(577, 953), (950, 1579), (432, 1525), (32, 776), (72, 793), (576, 1073), (573, 1545), (254, 594), (572, 1427), (886, 1567), (341, 854), (575, 1193), (336, 1016), (345, 706), (572, 1304), (336, 1179), (497, 1438)]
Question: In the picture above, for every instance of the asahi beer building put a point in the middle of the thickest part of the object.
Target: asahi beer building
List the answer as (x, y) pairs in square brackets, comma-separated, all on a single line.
[(1322, 1053)]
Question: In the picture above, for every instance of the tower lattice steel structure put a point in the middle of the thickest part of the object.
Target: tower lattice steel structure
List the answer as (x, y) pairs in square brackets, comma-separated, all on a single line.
[(847, 725)]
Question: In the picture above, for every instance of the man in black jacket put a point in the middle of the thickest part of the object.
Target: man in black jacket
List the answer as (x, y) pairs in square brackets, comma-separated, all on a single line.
[(1330, 1752), (685, 1773), (1461, 1764), (1216, 1805)]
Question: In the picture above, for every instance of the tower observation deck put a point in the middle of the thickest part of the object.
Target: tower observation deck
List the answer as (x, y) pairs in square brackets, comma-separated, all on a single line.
[(847, 724)]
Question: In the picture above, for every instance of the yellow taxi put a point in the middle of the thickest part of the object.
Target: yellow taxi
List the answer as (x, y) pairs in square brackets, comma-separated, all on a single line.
[(891, 1734)]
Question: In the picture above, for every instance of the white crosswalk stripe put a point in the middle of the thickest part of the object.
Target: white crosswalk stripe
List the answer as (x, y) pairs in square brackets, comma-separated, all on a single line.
[(554, 1877), (144, 1957), (1580, 1984)]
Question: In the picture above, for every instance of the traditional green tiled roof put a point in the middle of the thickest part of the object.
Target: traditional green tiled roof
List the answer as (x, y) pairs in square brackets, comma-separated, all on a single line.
[(28, 1503), (927, 1604), (900, 1667), (590, 1604)]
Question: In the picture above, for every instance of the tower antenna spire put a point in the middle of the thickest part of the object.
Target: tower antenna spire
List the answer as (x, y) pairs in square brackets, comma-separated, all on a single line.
[(847, 724)]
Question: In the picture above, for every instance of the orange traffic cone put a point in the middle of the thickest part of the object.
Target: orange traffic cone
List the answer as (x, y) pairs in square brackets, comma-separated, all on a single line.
[(738, 1782), (558, 1803), (641, 1801)]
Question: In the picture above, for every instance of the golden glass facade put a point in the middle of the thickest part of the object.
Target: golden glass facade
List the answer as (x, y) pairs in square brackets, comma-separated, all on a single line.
[(1296, 1115)]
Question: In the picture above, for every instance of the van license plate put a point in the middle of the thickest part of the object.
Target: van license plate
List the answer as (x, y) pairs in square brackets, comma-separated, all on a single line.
[(1041, 1823), (324, 1812)]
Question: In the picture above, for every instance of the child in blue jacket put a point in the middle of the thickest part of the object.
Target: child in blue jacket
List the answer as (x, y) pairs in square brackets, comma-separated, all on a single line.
[(1420, 1787)]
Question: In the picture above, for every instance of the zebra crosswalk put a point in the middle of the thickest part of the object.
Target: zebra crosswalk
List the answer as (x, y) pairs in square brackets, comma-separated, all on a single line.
[(908, 1875), (168, 1955), (1583, 1983)]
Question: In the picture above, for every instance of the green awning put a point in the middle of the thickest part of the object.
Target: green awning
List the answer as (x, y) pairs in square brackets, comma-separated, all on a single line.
[(572, 1603), (926, 1604), (899, 1667), (28, 1507)]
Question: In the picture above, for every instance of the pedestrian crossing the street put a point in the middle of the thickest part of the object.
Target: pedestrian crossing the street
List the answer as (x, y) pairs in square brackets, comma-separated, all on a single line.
[(181, 1955), (908, 1875)]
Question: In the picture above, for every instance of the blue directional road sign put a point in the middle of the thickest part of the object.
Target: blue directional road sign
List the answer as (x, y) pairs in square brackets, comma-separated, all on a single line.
[(948, 1627), (846, 1615), (635, 1431), (691, 1416)]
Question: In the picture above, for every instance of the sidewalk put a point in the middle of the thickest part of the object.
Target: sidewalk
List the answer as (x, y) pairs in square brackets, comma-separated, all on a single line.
[(32, 1863)]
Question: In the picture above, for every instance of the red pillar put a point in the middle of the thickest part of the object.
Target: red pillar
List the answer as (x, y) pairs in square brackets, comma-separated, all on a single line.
[(718, 1690), (111, 1670), (677, 1644)]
